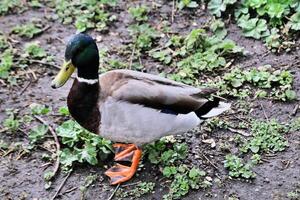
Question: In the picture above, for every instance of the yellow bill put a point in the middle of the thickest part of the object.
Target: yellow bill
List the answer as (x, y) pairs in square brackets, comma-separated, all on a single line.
[(64, 74)]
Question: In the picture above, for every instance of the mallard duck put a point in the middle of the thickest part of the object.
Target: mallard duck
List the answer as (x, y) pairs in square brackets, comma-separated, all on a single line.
[(129, 107)]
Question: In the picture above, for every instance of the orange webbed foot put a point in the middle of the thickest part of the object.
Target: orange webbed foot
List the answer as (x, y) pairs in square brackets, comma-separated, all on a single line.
[(121, 173)]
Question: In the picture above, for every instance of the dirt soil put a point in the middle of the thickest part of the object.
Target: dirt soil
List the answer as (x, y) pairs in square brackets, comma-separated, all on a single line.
[(23, 178)]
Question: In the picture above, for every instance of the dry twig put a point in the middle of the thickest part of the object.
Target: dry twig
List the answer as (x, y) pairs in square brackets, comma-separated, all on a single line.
[(114, 192), (56, 166), (265, 114), (39, 62), (61, 185)]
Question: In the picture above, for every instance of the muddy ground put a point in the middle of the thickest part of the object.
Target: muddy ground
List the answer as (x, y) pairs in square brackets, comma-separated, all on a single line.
[(23, 178)]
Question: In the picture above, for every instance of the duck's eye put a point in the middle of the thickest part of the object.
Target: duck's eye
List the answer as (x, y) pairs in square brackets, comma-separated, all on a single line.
[(67, 68)]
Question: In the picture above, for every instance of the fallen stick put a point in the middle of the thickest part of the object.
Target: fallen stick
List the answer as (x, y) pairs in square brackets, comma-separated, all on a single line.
[(114, 192), (39, 62), (25, 88), (56, 166), (61, 185)]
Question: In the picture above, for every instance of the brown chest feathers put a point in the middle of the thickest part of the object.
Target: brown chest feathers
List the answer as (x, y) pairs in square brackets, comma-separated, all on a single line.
[(83, 105)]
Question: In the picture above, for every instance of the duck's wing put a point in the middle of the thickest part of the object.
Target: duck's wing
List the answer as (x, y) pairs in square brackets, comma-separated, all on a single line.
[(156, 92)]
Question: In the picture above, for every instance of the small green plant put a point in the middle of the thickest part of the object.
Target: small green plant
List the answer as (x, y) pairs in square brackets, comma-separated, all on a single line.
[(139, 13), (85, 15), (266, 137), (37, 133), (9, 5), (169, 155), (143, 35), (216, 7), (89, 180), (81, 145), (3, 42), (34, 50), (295, 125), (64, 111), (196, 53), (276, 84), (187, 4), (161, 152), (28, 30), (271, 20), (139, 190), (184, 179), (39, 109), (11, 123), (6, 63), (237, 167)]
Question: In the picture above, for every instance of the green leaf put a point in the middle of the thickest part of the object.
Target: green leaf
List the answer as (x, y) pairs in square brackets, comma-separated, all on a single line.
[(139, 13), (291, 94), (69, 131), (38, 109), (48, 175), (64, 111), (294, 22), (216, 7), (169, 171), (276, 10), (28, 30), (34, 50), (37, 133), (256, 3), (67, 157), (88, 154), (6, 63), (254, 27)]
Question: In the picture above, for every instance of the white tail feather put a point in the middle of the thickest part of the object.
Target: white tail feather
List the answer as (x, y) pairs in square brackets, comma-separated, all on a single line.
[(218, 110)]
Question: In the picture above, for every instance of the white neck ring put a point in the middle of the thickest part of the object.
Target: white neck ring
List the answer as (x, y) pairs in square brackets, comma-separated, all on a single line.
[(87, 81)]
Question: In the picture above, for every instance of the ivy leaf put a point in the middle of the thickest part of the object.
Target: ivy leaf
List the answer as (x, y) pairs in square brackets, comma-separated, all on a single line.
[(34, 50), (254, 27), (194, 173), (69, 131), (216, 7), (187, 3), (37, 133), (294, 22), (290, 94), (276, 10), (39, 109), (6, 63), (256, 3), (169, 171), (64, 111), (67, 157), (88, 153)]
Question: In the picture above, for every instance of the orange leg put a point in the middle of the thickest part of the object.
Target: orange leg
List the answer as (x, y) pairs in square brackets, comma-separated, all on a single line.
[(121, 173)]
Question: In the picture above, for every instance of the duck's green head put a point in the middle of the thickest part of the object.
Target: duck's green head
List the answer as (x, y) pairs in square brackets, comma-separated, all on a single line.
[(81, 54)]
